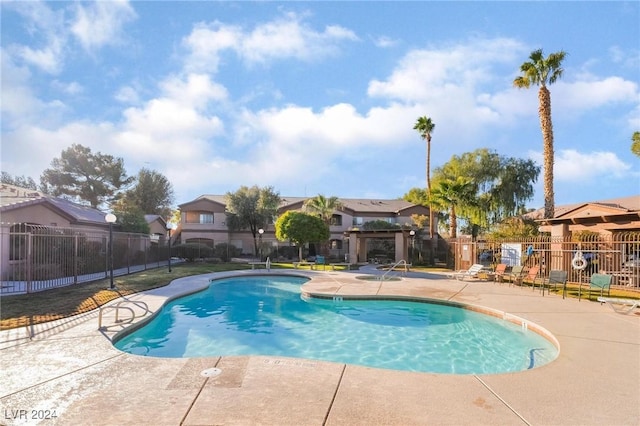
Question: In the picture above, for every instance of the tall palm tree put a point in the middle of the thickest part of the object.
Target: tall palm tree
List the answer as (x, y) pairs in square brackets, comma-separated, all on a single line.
[(324, 208), (450, 194), (425, 126), (541, 71)]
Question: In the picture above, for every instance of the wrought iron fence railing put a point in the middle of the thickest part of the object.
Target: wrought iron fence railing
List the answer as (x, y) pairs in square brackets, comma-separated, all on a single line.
[(617, 254), (38, 258)]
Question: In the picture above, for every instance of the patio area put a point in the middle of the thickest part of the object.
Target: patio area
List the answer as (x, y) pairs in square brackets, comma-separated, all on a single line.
[(68, 373)]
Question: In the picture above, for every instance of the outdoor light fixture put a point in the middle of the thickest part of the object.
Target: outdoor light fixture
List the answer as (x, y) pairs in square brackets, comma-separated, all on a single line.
[(260, 232), (170, 227), (111, 219), (413, 240)]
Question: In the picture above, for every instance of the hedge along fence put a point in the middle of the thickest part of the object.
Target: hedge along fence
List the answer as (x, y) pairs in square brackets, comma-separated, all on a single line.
[(36, 258)]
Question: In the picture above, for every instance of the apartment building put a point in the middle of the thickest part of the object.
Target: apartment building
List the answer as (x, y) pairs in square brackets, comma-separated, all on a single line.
[(203, 220)]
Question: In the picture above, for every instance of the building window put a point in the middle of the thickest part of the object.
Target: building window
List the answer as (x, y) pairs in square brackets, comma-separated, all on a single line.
[(206, 217), (198, 217), (358, 221), (336, 220)]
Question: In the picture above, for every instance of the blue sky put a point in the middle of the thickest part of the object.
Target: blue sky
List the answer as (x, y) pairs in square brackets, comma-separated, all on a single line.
[(319, 97)]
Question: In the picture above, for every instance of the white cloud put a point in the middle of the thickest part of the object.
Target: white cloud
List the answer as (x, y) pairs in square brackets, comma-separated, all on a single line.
[(166, 131), (196, 91), (283, 38), (127, 95), (593, 92), (633, 119), (29, 149), (47, 27), (94, 25), (18, 100), (629, 58), (385, 42), (48, 58), (577, 167), (435, 74), (100, 23), (207, 42), (73, 88)]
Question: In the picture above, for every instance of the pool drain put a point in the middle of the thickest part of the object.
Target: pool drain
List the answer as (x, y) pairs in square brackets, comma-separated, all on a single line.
[(210, 372)]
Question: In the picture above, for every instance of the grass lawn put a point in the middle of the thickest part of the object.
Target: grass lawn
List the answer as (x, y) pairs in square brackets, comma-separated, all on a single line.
[(62, 302), (44, 306)]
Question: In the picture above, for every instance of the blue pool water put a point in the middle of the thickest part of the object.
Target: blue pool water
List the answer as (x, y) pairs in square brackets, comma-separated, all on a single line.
[(267, 316)]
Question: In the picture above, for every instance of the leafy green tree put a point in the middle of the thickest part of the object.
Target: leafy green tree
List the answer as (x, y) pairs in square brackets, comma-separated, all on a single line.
[(417, 196), (425, 126), (152, 192), (635, 143), (21, 181), (501, 186), (541, 71), (420, 220), (514, 227), (81, 175), (130, 218), (301, 228), (514, 186), (251, 208)]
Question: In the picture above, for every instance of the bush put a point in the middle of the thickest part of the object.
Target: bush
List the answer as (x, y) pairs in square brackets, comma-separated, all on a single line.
[(192, 251), (226, 251)]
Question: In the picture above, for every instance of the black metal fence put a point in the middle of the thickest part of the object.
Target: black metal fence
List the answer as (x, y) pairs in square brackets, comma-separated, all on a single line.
[(36, 258), (581, 255)]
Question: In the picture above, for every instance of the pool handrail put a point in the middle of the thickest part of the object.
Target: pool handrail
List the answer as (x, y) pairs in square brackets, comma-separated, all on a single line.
[(117, 306), (393, 267)]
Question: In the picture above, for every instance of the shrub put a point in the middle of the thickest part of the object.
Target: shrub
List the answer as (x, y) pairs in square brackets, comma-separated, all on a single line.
[(192, 251), (226, 251)]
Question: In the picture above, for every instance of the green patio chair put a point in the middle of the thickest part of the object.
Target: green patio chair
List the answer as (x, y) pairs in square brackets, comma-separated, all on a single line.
[(556, 277), (600, 282)]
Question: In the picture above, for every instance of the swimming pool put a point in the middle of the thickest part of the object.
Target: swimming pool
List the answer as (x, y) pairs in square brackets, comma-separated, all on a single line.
[(266, 315)]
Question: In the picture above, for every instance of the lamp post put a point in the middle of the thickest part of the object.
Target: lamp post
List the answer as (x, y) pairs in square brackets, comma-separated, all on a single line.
[(413, 239), (111, 219), (170, 227), (260, 232)]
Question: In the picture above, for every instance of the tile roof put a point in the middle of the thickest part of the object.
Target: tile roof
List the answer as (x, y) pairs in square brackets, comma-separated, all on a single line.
[(624, 204), (152, 217), (354, 204), (14, 197)]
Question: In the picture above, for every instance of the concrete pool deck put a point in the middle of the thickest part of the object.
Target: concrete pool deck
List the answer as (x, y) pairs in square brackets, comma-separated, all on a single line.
[(70, 369)]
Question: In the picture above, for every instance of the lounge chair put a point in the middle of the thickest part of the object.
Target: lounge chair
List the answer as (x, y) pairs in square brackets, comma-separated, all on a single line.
[(531, 276), (620, 305), (499, 272), (556, 277), (472, 272), (600, 282), (515, 274)]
